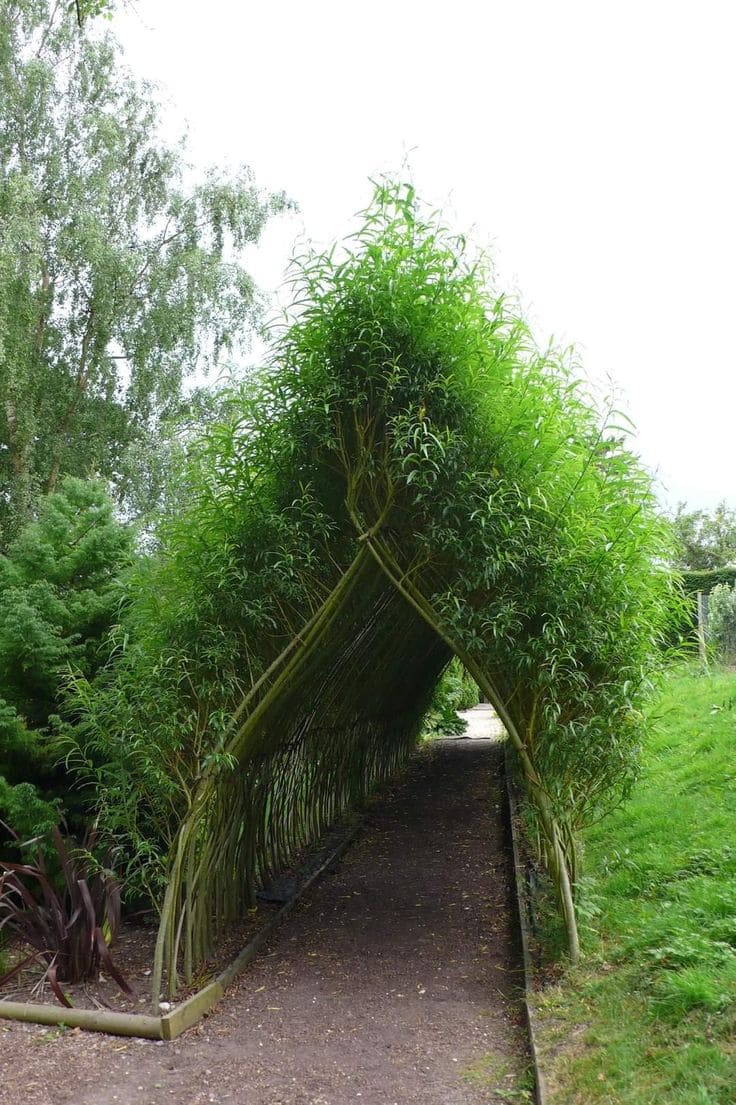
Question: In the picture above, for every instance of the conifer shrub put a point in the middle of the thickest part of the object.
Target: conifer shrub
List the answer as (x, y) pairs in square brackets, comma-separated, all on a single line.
[(60, 592)]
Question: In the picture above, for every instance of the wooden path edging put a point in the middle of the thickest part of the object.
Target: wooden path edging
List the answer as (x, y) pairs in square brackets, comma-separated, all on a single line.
[(521, 899), (169, 1025)]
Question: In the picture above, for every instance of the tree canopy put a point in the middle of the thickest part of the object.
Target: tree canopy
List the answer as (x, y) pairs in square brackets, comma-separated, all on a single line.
[(705, 540), (120, 272)]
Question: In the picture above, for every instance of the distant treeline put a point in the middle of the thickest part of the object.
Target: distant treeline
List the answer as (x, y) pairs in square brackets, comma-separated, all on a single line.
[(701, 580)]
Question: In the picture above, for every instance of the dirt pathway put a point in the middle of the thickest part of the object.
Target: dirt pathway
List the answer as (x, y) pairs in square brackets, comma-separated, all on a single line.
[(393, 983)]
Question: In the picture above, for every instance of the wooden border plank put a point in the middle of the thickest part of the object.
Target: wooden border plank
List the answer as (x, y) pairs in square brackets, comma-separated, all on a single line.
[(94, 1020)]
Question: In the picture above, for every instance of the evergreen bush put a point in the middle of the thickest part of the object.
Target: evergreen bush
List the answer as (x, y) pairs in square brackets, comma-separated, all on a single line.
[(60, 592)]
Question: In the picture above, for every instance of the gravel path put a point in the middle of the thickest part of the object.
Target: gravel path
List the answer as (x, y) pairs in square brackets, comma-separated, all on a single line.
[(394, 982), (483, 722)]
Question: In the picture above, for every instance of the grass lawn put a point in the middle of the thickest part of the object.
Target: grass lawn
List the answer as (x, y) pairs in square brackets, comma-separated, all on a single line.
[(650, 1016)]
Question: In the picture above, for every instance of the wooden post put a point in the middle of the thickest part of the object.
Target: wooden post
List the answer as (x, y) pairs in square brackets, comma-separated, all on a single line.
[(703, 628)]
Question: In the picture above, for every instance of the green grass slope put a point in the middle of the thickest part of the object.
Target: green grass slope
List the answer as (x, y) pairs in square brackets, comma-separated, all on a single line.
[(650, 1016)]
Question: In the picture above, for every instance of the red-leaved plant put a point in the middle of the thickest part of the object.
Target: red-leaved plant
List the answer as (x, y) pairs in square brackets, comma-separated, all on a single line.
[(68, 920)]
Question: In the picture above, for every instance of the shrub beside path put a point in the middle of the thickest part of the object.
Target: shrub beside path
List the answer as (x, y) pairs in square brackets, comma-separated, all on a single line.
[(395, 981)]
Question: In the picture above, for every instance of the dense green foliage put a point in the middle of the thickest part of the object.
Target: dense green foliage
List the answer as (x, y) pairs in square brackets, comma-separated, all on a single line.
[(60, 594), (651, 1014), (460, 687), (721, 627), (706, 579), (118, 277), (409, 477), (59, 584), (455, 690)]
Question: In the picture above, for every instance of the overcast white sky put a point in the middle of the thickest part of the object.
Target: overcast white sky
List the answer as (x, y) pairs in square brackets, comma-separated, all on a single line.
[(591, 142)]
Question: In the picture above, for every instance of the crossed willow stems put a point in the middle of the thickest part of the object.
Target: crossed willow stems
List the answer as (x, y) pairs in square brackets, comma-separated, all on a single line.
[(213, 840)]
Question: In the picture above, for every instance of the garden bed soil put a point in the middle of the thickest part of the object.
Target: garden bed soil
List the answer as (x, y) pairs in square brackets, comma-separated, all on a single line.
[(395, 981)]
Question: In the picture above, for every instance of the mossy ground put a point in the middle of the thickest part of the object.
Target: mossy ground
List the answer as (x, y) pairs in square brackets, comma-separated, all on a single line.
[(494, 1075)]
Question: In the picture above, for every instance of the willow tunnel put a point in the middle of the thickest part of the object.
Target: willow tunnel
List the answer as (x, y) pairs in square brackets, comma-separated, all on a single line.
[(409, 478)]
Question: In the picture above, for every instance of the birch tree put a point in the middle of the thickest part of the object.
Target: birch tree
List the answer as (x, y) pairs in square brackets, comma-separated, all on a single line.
[(120, 273)]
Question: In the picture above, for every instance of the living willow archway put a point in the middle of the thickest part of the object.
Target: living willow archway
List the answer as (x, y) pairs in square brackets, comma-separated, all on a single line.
[(409, 479)]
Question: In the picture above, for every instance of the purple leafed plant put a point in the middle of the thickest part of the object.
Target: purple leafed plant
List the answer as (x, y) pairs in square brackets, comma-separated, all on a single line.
[(68, 920)]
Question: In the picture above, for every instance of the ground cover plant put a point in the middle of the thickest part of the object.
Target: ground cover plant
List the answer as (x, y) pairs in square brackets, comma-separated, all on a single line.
[(408, 478), (650, 1015)]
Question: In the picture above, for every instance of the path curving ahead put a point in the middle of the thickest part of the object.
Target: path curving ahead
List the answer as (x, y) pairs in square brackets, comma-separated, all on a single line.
[(395, 981)]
